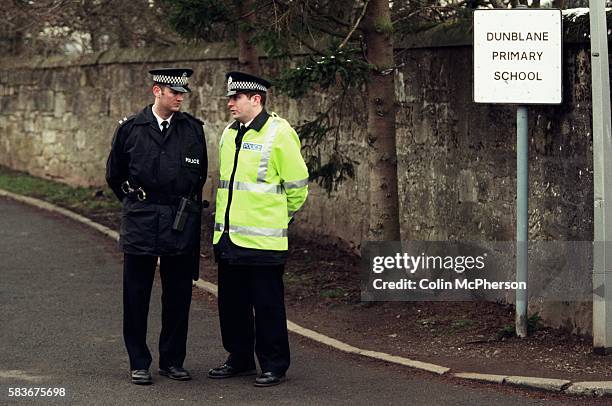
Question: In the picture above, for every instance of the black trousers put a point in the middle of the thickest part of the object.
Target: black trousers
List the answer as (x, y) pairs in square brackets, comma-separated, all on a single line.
[(252, 316), (138, 274)]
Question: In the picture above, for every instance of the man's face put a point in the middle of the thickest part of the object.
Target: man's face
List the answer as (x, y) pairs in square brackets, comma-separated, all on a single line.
[(243, 108), (167, 100)]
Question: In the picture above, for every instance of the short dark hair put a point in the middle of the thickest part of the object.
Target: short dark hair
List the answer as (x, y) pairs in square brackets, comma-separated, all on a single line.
[(163, 86), (261, 94)]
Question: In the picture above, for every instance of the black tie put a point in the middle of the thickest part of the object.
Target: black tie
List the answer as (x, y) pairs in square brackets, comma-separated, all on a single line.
[(164, 128), (243, 129)]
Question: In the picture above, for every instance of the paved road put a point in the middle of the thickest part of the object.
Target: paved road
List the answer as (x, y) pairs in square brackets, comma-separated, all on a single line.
[(60, 327)]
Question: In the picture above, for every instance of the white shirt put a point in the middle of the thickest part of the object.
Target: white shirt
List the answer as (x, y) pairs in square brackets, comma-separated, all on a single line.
[(159, 119), (249, 123)]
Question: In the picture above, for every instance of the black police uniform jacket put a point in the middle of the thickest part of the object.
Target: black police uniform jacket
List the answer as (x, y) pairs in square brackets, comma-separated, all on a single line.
[(166, 168)]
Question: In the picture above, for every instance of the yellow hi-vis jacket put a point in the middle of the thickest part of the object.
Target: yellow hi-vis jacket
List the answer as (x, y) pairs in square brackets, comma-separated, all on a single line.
[(269, 184)]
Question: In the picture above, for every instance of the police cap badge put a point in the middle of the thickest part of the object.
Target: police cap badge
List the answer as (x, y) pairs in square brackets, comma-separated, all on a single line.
[(239, 82)]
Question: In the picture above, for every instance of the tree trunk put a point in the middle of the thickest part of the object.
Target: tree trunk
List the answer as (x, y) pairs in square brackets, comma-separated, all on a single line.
[(384, 213), (247, 53)]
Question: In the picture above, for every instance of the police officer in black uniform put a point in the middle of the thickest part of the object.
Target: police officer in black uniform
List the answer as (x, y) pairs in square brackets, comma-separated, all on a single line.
[(157, 168)]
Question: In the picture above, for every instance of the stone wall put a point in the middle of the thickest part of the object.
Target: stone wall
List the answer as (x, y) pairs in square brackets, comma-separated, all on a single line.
[(58, 117), (456, 159)]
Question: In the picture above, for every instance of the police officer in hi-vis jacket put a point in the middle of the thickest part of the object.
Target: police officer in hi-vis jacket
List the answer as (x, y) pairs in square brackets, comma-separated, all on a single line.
[(263, 182)]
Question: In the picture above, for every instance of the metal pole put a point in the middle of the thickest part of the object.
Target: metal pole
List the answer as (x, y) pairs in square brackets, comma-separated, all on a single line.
[(602, 169), (522, 217)]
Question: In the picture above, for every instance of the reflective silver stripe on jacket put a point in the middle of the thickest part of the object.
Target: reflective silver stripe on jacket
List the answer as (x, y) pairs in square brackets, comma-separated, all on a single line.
[(256, 231), (267, 150), (252, 187), (295, 184)]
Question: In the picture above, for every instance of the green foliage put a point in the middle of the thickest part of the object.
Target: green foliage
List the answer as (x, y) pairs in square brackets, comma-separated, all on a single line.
[(330, 174), (411, 17), (273, 44), (341, 71), (339, 166), (384, 26), (313, 132), (507, 331), (341, 67), (58, 193), (534, 323), (197, 18), (333, 293)]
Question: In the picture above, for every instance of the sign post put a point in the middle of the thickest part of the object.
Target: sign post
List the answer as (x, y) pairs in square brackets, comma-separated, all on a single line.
[(602, 182), (518, 60), (522, 216)]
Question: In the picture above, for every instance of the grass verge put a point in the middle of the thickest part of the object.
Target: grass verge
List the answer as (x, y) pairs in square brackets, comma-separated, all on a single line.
[(76, 198)]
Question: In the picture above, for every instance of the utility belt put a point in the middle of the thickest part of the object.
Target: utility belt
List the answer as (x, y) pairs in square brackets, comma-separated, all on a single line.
[(158, 198), (139, 194), (185, 204)]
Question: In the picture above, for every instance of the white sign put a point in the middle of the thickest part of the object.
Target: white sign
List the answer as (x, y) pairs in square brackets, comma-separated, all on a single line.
[(517, 56)]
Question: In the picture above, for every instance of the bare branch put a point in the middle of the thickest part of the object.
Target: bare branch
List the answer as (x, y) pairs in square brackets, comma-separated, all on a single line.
[(307, 45), (363, 11)]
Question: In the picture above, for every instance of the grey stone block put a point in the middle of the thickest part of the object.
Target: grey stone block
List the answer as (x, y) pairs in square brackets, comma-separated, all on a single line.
[(603, 388), (43, 100), (555, 385), (60, 105), (481, 377)]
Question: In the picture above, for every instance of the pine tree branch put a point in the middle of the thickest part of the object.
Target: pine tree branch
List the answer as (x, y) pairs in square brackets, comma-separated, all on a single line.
[(307, 45)]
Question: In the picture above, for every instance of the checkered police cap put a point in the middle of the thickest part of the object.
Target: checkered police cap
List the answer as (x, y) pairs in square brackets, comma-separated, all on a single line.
[(239, 82), (175, 78)]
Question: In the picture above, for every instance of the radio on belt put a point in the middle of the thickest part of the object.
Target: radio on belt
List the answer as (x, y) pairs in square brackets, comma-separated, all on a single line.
[(181, 214)]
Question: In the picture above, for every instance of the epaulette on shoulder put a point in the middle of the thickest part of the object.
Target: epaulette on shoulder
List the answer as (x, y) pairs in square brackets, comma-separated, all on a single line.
[(275, 116), (194, 118), (279, 119), (125, 120)]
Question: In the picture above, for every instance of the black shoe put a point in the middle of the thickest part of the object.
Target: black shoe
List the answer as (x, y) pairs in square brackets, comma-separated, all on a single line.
[(269, 379), (228, 371), (141, 377), (176, 373)]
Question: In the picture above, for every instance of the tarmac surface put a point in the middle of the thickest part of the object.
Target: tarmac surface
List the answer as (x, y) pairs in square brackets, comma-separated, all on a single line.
[(61, 321)]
